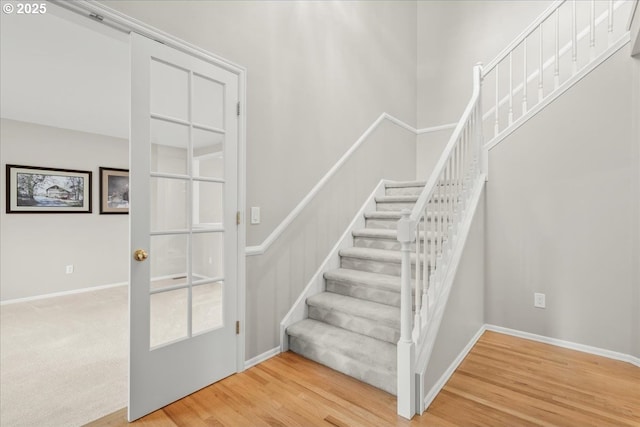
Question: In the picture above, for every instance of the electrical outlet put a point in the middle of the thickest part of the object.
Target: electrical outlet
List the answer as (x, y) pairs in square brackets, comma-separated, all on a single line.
[(69, 269), (255, 215), (539, 300)]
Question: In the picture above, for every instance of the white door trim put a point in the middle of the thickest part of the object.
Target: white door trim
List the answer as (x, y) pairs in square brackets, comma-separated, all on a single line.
[(94, 10)]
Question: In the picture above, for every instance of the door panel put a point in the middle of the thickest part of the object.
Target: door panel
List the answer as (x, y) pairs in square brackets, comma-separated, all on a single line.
[(184, 134)]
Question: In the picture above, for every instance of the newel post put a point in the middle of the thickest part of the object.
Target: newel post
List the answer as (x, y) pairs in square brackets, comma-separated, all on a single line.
[(406, 347)]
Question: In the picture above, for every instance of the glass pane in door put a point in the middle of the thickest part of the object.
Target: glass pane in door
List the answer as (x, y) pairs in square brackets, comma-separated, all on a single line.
[(208, 102), (207, 307), (169, 313), (169, 90)]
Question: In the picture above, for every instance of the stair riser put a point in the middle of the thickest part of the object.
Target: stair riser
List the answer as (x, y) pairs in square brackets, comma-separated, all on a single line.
[(374, 266), (376, 376), (356, 324), (365, 292)]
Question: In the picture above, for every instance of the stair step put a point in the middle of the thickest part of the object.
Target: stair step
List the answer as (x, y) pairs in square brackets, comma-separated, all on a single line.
[(381, 238), (404, 188), (374, 260), (368, 318), (367, 359), (380, 288), (388, 219)]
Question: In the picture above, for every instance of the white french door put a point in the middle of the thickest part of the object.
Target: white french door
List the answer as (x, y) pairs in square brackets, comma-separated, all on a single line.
[(184, 199)]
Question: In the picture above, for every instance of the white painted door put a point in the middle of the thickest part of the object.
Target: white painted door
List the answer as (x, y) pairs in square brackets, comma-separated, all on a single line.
[(184, 135)]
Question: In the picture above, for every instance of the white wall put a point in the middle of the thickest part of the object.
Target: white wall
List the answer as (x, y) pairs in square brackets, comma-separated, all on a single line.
[(319, 73), (35, 248), (563, 216), (464, 314)]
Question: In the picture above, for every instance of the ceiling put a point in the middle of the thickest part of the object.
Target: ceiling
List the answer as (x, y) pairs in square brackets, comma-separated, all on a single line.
[(64, 70)]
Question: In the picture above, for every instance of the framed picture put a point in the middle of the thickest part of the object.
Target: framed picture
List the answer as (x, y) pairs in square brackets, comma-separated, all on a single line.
[(33, 189), (114, 191)]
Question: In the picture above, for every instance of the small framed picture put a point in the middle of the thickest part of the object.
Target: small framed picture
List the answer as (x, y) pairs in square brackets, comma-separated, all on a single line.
[(32, 189), (114, 191)]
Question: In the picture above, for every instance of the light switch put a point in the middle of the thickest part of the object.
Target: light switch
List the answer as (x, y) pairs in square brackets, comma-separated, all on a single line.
[(255, 215)]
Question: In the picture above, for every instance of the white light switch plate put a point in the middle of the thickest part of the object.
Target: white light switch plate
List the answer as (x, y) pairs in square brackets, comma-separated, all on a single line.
[(255, 215)]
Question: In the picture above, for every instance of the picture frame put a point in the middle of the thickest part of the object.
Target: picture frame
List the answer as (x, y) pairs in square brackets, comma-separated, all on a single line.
[(114, 191), (35, 189)]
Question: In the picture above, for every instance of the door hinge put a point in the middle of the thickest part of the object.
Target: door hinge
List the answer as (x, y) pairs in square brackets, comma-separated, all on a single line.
[(238, 108), (238, 218), (237, 327)]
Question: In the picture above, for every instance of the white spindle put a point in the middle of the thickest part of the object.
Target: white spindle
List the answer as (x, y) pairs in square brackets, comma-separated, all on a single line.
[(510, 88), (574, 39), (431, 226), (418, 290), (556, 69), (610, 24), (592, 30), (541, 66), (524, 77)]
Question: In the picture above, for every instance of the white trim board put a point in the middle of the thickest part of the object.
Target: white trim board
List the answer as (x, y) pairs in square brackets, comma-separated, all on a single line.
[(442, 381), (262, 357), (609, 354), (63, 293)]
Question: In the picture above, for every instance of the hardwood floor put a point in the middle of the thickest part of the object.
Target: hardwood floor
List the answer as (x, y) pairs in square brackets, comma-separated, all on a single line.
[(504, 381)]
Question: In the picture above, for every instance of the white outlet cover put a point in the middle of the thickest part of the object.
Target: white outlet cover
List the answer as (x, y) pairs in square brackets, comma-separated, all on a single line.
[(69, 269), (539, 300)]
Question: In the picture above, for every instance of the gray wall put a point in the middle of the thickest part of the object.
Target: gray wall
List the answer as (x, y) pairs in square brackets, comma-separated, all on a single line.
[(562, 215), (319, 73), (36, 248), (464, 314)]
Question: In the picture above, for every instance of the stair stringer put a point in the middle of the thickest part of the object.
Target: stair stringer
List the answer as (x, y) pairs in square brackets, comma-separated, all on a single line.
[(431, 325), (317, 284)]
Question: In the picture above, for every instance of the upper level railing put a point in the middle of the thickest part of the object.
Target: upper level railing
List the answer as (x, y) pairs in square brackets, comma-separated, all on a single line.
[(432, 225), (567, 37), (565, 40)]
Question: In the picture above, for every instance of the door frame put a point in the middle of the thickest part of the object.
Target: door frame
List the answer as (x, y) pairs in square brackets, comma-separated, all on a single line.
[(125, 23)]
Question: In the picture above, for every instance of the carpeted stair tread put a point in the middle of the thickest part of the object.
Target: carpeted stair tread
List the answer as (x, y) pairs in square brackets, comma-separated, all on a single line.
[(380, 313), (382, 255), (364, 278), (368, 351)]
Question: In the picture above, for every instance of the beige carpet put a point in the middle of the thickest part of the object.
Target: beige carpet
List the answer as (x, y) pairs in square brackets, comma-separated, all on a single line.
[(63, 360)]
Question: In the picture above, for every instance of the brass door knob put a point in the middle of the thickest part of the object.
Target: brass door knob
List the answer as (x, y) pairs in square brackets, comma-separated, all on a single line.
[(140, 255)]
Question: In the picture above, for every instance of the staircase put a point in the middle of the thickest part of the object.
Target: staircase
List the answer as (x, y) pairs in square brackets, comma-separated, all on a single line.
[(354, 326)]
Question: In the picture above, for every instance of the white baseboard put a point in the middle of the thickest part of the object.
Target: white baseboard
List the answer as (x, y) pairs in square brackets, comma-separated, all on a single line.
[(431, 395), (609, 354), (62, 294), (261, 357)]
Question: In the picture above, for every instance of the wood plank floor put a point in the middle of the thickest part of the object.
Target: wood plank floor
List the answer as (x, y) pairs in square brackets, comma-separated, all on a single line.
[(504, 381)]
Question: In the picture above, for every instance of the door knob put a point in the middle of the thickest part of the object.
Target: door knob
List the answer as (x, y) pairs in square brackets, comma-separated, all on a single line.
[(140, 255)]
